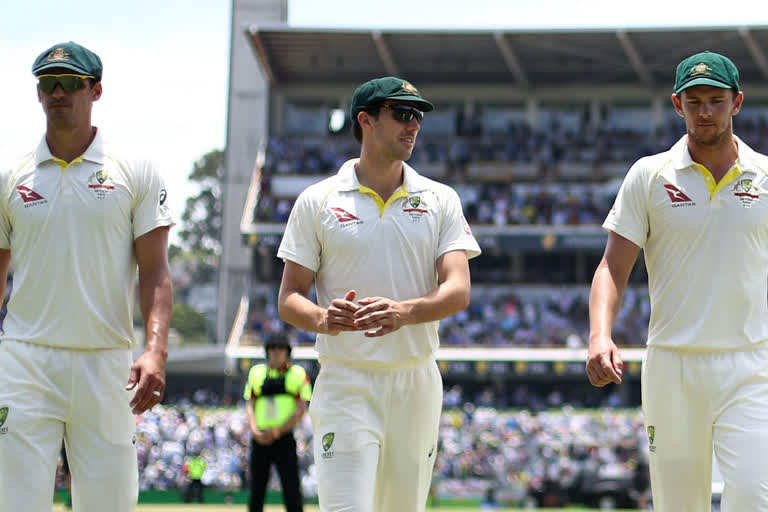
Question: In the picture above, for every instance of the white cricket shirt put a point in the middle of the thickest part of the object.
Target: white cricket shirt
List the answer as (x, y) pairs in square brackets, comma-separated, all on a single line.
[(705, 244), (352, 240), (70, 229)]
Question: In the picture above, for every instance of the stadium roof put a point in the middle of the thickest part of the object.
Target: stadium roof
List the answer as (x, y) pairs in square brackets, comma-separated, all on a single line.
[(524, 58)]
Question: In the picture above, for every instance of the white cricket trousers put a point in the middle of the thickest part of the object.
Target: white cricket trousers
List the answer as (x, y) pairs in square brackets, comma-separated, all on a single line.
[(375, 436), (694, 401), (79, 395)]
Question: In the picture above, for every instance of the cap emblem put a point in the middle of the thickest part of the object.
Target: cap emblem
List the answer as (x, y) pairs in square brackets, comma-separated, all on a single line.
[(57, 54), (700, 69), (409, 88)]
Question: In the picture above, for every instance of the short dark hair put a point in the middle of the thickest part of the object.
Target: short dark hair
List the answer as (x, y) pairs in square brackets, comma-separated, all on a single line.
[(357, 130)]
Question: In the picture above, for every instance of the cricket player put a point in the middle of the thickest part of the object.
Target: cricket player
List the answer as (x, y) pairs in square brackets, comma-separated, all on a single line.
[(77, 220), (700, 212), (387, 251)]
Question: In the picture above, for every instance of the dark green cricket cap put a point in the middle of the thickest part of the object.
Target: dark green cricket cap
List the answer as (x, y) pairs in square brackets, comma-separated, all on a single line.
[(706, 68), (69, 55), (374, 92)]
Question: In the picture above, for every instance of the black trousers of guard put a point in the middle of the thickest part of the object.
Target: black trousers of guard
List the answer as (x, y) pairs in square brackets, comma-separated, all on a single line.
[(194, 491), (281, 453)]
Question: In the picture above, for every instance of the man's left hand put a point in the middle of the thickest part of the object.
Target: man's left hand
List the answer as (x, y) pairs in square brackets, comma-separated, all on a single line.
[(379, 316), (148, 377)]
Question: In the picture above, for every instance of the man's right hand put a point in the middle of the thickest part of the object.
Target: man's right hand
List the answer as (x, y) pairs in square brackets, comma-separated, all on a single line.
[(604, 364), (262, 437), (340, 315)]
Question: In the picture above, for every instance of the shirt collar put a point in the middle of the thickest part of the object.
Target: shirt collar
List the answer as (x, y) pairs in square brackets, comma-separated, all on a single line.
[(94, 152), (681, 157), (412, 180)]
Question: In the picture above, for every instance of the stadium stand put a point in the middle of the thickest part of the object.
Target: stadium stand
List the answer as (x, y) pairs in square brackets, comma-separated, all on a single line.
[(535, 130), (546, 457)]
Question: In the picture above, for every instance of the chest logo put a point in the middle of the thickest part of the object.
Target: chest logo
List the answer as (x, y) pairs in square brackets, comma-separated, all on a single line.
[(747, 192), (29, 196), (343, 216), (678, 197), (415, 207), (100, 183)]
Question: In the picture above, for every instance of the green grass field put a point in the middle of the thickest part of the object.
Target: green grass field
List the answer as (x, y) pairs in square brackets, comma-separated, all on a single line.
[(270, 508)]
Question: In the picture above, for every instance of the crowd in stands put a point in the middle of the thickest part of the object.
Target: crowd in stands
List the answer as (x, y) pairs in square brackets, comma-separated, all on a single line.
[(528, 317), (553, 455), (488, 202), (316, 155), (550, 317), (519, 453), (542, 200), (518, 143), (502, 204)]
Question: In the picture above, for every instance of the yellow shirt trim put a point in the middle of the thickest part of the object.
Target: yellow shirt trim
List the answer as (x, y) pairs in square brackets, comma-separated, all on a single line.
[(715, 187), (63, 163), (401, 192)]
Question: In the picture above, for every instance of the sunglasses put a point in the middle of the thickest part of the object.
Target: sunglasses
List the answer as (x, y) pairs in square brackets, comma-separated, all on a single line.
[(404, 113), (69, 83)]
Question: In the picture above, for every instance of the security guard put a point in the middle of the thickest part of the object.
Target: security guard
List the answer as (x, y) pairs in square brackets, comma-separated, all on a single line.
[(277, 394), (195, 469)]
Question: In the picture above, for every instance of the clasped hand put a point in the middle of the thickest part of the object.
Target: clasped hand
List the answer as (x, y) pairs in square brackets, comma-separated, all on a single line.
[(376, 316)]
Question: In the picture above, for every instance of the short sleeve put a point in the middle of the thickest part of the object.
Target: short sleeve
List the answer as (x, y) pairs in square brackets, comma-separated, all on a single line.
[(248, 391), (300, 243), (629, 215), (305, 391), (455, 234), (5, 219), (151, 200)]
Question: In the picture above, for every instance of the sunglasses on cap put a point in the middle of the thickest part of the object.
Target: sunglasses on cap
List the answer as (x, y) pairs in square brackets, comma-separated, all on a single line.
[(405, 113), (69, 83)]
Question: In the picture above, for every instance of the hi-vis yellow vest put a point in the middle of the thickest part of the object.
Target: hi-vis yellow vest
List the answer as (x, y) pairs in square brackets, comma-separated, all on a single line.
[(275, 393), (196, 467)]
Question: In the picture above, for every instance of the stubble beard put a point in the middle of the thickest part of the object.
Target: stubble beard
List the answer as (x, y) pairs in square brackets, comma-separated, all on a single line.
[(715, 140), (403, 153), (60, 119)]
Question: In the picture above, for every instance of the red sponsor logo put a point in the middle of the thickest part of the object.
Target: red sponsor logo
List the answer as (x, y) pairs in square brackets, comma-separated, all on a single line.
[(343, 215), (416, 210), (28, 195), (676, 195)]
